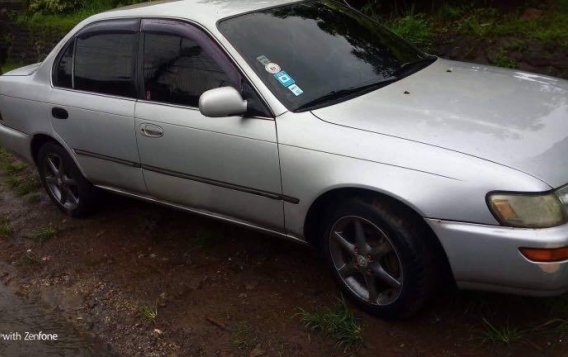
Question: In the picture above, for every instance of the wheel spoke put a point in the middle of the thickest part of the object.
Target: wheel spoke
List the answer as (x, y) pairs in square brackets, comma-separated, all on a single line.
[(347, 270), (52, 166), (380, 250), (69, 181), (69, 195), (346, 245), (360, 240), (372, 288), (385, 276), (63, 199), (51, 180)]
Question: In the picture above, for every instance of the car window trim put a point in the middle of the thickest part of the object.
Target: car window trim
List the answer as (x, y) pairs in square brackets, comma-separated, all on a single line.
[(73, 41), (139, 99)]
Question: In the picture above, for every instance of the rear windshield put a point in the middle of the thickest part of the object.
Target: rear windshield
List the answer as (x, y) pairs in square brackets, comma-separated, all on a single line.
[(316, 53)]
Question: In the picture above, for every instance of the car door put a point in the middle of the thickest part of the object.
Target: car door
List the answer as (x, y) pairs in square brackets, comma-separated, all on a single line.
[(93, 99), (229, 165)]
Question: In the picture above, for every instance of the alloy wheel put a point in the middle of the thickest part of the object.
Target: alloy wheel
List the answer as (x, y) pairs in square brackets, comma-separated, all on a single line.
[(59, 183), (366, 260)]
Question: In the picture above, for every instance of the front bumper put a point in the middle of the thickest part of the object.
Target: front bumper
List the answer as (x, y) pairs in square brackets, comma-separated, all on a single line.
[(488, 257)]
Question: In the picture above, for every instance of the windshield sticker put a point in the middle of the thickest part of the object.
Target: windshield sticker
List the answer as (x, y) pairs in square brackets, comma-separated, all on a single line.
[(264, 60), (273, 68), (296, 90), (284, 79)]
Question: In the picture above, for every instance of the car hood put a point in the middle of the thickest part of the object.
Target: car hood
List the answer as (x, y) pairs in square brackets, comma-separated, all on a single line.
[(513, 118)]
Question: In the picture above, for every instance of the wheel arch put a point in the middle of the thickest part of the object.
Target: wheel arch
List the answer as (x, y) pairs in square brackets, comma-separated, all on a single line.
[(321, 205), (40, 139)]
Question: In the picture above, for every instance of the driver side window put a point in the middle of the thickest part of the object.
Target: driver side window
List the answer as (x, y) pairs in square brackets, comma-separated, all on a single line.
[(177, 70)]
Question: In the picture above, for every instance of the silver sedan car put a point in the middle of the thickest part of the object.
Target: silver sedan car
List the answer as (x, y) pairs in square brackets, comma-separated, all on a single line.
[(310, 121)]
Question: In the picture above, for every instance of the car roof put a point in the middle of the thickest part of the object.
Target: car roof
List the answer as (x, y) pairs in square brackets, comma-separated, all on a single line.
[(205, 12)]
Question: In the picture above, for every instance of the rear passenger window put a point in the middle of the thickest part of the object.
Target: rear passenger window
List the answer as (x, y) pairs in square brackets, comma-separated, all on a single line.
[(106, 64), (177, 70), (64, 71)]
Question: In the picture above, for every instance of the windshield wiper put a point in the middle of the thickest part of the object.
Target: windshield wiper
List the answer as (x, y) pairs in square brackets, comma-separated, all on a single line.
[(406, 69), (337, 95)]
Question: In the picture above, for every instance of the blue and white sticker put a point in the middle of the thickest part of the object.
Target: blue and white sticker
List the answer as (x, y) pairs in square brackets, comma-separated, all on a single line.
[(296, 90), (284, 79), (263, 60)]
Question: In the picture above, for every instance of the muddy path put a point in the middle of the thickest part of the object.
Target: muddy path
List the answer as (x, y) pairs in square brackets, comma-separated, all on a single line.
[(27, 329), (150, 281)]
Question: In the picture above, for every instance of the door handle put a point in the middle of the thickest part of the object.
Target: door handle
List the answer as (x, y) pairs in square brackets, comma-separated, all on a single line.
[(151, 131), (59, 113)]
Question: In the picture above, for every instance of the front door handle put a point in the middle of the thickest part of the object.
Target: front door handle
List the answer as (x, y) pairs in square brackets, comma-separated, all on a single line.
[(151, 131), (59, 113)]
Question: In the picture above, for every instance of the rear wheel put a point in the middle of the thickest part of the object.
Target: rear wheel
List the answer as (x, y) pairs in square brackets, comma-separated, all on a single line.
[(379, 258), (64, 183)]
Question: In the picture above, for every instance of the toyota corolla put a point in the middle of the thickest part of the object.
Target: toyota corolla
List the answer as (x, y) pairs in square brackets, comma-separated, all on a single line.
[(310, 121)]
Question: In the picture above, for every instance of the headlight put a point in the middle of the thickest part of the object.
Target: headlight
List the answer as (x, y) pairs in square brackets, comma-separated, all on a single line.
[(529, 210)]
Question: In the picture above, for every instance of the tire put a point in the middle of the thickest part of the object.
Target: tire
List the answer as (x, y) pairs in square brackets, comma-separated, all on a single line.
[(64, 183), (391, 273)]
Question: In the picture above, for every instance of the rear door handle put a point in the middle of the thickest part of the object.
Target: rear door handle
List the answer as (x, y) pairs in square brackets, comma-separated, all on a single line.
[(59, 113), (151, 131)]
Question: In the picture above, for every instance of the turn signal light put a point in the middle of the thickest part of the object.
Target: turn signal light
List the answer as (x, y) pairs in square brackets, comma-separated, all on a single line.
[(545, 255)]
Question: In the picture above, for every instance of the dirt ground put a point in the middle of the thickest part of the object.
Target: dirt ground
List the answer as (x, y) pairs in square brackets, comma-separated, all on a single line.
[(220, 290)]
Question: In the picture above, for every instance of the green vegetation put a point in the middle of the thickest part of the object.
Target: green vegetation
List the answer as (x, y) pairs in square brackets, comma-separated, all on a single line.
[(339, 323), (414, 28), (149, 313), (10, 66), (42, 235), (502, 334), (63, 15), (6, 229), (503, 60), (476, 24), (245, 338), (23, 185), (17, 177)]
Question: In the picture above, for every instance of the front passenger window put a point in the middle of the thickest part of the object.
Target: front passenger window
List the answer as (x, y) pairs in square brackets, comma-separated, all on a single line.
[(178, 70)]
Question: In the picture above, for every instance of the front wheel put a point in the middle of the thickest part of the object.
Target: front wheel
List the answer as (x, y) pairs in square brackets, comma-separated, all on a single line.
[(64, 183), (379, 258)]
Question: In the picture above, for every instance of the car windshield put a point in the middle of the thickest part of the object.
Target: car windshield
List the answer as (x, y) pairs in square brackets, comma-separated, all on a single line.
[(316, 53)]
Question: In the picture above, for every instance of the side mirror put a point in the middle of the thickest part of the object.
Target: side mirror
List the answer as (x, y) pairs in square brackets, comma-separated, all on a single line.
[(222, 102)]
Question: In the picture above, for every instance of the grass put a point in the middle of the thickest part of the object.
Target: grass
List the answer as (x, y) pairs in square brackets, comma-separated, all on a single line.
[(245, 338), (149, 313), (503, 60), (505, 334), (42, 235), (339, 323), (414, 28), (23, 185), (17, 179), (6, 229)]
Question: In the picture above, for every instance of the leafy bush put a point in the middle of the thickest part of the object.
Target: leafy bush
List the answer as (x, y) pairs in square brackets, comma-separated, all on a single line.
[(54, 6), (61, 7), (414, 28)]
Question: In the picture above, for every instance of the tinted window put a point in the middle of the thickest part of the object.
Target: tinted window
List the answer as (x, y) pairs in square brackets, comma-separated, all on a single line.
[(106, 63), (314, 51), (64, 71), (177, 70)]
